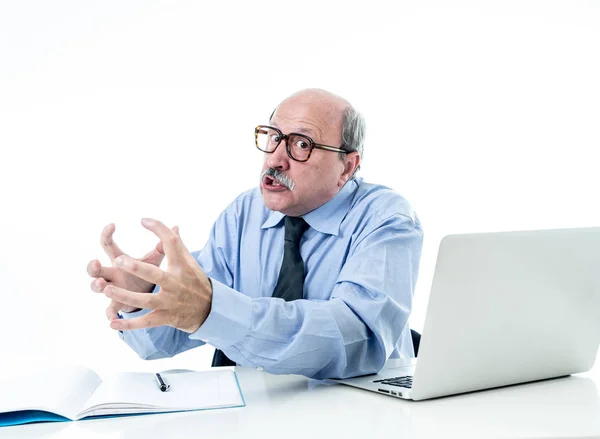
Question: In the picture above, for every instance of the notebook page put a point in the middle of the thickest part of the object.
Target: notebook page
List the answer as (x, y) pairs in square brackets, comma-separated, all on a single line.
[(189, 391), (58, 390)]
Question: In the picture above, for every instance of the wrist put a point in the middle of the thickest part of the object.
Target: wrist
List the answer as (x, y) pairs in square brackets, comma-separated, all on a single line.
[(204, 311)]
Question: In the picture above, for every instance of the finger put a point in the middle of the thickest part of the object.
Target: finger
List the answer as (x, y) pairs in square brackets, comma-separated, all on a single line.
[(126, 297), (170, 240), (98, 285), (95, 269), (106, 240), (160, 247), (156, 256), (112, 312), (150, 320), (143, 270)]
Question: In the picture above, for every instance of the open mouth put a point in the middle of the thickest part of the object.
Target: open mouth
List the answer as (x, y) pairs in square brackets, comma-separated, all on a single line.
[(271, 183)]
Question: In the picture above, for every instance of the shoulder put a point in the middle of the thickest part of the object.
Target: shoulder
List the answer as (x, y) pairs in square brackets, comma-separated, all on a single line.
[(380, 203)]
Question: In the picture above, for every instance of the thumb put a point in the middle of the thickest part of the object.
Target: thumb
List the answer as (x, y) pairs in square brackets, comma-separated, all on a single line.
[(156, 256)]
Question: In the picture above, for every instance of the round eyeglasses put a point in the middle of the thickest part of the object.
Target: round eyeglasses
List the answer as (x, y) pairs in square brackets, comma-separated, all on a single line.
[(298, 146)]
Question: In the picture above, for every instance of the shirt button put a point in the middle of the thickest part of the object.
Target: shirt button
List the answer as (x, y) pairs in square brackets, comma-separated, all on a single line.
[(260, 368)]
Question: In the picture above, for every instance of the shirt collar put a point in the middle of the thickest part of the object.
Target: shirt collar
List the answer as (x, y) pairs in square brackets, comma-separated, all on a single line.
[(326, 218)]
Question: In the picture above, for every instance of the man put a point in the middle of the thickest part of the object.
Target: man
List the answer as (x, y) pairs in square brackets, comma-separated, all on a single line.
[(311, 273)]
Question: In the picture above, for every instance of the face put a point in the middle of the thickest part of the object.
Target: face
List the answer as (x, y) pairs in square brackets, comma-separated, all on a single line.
[(317, 180)]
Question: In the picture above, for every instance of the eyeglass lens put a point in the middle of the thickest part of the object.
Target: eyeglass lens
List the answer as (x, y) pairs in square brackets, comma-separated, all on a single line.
[(298, 145)]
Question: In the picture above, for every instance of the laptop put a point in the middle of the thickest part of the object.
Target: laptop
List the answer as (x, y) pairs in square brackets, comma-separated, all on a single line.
[(505, 308)]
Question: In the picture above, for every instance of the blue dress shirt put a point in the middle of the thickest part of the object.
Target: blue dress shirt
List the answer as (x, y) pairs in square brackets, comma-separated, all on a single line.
[(361, 256)]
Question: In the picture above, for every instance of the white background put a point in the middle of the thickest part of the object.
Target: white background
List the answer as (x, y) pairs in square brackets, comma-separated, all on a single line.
[(483, 114)]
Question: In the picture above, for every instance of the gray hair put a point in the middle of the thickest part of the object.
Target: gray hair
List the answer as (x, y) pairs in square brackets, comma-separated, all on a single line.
[(353, 133)]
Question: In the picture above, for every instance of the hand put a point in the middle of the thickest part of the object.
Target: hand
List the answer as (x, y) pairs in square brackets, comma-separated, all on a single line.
[(104, 276), (185, 296)]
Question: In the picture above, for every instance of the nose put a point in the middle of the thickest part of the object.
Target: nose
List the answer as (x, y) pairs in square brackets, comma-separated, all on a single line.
[(279, 158)]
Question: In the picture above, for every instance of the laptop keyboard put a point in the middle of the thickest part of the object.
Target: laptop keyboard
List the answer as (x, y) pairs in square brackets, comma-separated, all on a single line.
[(403, 381)]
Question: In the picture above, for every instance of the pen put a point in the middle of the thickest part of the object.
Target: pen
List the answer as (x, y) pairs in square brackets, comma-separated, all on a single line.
[(161, 384)]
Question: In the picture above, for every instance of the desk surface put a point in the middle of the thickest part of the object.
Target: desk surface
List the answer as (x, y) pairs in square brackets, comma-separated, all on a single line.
[(295, 407)]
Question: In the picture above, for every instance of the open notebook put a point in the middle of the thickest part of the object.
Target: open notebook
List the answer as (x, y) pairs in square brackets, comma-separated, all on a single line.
[(78, 392)]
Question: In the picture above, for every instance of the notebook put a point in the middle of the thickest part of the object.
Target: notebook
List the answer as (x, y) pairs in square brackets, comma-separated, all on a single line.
[(74, 393), (505, 308)]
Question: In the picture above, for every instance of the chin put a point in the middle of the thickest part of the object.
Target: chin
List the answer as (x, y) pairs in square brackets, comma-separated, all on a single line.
[(273, 204)]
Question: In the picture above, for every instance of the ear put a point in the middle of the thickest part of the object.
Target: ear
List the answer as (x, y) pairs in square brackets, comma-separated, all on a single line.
[(351, 162)]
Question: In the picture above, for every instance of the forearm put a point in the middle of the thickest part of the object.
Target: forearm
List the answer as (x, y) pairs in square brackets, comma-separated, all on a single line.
[(155, 343), (318, 339), (324, 340)]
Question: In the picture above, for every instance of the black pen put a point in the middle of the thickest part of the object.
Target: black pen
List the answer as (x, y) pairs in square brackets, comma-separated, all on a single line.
[(161, 384)]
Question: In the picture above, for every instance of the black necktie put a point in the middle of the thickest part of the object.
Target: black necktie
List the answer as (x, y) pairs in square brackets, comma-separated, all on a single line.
[(291, 276)]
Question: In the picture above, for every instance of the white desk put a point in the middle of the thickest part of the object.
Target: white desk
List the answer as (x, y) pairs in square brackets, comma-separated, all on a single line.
[(295, 407)]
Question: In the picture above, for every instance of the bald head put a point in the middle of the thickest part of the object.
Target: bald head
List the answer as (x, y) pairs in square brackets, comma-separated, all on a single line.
[(329, 106), (330, 103)]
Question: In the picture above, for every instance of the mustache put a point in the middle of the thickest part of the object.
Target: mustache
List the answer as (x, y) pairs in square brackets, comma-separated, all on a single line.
[(280, 177)]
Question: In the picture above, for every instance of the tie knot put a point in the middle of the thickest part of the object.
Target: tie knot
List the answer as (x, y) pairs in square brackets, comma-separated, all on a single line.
[(295, 226)]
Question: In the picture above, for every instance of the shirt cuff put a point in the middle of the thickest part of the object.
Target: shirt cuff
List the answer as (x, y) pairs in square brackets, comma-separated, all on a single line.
[(132, 315), (230, 318)]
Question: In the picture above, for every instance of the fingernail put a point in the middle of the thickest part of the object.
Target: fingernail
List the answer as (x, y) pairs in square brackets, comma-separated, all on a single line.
[(147, 221), (120, 261)]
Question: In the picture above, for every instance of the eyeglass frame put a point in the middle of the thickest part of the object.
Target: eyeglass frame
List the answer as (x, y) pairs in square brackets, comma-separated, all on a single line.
[(285, 137)]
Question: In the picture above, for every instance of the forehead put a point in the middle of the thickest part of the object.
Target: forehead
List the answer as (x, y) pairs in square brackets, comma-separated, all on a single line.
[(305, 118), (299, 127), (316, 114)]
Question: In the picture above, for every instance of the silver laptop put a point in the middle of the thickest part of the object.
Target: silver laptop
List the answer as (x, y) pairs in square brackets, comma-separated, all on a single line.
[(505, 308)]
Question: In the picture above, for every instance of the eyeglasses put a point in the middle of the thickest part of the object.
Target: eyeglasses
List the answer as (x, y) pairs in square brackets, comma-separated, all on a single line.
[(298, 146)]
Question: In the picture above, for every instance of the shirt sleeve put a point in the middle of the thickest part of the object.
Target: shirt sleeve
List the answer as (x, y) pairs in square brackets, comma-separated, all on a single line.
[(166, 341), (159, 342), (351, 334)]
